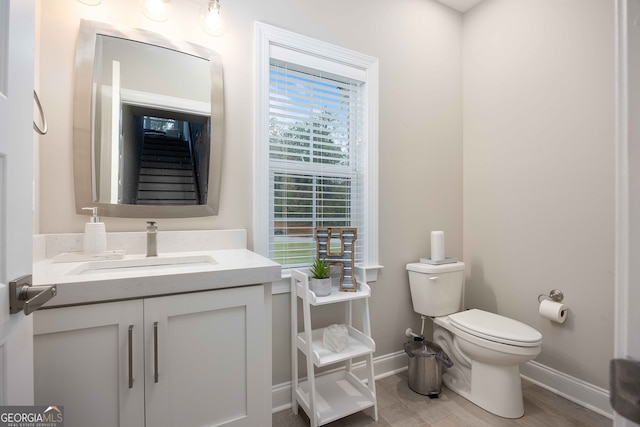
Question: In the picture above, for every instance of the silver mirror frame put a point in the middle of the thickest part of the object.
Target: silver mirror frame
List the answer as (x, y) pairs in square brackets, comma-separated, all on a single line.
[(82, 123)]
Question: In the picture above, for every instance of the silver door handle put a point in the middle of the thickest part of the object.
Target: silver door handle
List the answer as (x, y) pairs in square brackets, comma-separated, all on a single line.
[(24, 296)]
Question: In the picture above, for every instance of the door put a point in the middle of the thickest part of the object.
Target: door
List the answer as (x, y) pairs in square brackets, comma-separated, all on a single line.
[(203, 358), (89, 359), (16, 205)]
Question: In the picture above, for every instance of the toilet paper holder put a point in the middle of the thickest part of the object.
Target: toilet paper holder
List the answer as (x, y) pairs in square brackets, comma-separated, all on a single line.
[(555, 295)]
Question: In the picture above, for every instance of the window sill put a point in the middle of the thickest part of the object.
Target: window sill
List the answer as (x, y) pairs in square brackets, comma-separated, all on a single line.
[(283, 286)]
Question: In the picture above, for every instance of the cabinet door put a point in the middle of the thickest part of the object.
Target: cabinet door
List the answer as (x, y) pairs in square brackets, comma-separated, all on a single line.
[(208, 360), (81, 361)]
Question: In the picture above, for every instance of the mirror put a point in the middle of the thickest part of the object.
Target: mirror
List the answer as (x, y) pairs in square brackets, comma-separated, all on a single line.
[(148, 124)]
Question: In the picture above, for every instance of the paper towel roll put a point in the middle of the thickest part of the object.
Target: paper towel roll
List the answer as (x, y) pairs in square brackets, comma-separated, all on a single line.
[(554, 311), (437, 245)]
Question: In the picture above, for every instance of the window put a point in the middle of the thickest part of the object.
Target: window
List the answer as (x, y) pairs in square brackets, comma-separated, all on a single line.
[(316, 146)]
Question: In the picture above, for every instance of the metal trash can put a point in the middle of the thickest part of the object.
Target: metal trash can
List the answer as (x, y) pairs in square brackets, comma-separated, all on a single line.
[(425, 366)]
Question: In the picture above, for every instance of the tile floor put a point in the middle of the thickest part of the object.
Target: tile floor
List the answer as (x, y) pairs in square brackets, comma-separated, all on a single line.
[(399, 406)]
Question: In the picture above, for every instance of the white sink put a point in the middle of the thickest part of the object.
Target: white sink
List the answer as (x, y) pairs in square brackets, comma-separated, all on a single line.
[(132, 265)]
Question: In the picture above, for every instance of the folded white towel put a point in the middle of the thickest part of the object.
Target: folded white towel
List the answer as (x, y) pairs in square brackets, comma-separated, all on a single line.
[(335, 338)]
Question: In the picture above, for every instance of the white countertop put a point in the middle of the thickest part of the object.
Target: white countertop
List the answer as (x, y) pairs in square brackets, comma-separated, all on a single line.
[(231, 268)]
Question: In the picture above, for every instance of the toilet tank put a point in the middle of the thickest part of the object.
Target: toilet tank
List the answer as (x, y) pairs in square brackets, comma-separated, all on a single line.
[(436, 290)]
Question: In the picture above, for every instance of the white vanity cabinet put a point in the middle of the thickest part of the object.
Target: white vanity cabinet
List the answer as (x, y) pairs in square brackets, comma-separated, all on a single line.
[(81, 361), (195, 359), (210, 368)]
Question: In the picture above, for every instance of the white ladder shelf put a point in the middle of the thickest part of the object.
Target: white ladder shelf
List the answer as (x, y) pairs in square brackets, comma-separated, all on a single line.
[(329, 397)]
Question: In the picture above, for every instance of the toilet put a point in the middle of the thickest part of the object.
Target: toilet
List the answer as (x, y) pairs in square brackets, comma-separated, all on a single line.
[(486, 348)]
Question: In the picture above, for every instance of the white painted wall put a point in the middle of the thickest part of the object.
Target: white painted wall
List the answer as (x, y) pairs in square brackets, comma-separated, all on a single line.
[(539, 171), (418, 43)]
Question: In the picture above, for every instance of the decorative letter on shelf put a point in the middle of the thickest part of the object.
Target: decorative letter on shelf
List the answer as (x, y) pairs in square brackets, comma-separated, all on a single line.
[(343, 258)]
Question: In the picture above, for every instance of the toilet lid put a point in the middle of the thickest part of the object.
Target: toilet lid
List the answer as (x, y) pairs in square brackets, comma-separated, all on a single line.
[(496, 328)]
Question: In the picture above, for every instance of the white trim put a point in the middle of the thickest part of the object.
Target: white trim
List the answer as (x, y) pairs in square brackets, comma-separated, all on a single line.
[(267, 36), (369, 272), (371, 185), (571, 388), (625, 344), (283, 286), (103, 186), (317, 63), (283, 38), (622, 183), (281, 397), (114, 170), (165, 102), (261, 120), (4, 53)]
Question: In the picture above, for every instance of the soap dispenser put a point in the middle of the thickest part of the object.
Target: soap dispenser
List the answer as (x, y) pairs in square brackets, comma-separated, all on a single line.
[(95, 234)]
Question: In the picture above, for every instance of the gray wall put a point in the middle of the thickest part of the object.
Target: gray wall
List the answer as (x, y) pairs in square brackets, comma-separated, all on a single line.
[(539, 171), (537, 161)]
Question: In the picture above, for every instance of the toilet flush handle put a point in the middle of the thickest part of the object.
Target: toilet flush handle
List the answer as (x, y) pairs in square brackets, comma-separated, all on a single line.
[(434, 278)]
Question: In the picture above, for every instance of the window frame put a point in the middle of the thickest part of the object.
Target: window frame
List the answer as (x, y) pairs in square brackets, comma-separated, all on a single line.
[(282, 43)]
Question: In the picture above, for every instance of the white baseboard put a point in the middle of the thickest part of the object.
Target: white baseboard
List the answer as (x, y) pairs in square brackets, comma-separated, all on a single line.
[(578, 391), (571, 388), (281, 397)]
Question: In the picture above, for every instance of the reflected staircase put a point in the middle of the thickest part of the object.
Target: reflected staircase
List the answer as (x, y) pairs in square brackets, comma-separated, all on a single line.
[(167, 174)]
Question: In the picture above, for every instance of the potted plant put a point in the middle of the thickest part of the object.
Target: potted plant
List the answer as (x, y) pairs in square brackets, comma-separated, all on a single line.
[(320, 283)]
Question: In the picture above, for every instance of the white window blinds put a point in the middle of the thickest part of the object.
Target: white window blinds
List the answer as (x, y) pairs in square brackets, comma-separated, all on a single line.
[(316, 159)]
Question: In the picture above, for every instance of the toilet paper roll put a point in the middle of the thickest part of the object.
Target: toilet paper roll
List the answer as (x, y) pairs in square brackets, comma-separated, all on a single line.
[(554, 311), (437, 245)]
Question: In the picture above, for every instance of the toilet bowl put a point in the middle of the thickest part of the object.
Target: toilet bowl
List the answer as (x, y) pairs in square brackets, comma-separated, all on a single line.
[(488, 371), (486, 348)]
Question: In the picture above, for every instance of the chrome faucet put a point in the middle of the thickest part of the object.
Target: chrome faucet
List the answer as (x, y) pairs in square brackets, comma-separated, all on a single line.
[(152, 239)]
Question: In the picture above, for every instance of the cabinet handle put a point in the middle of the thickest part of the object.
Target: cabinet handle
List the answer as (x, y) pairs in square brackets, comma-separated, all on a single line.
[(155, 352), (130, 356)]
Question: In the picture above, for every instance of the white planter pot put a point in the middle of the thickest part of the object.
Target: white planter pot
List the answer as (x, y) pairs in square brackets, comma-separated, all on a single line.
[(320, 287)]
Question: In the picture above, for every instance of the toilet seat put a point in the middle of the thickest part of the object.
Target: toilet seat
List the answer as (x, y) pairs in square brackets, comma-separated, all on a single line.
[(495, 328)]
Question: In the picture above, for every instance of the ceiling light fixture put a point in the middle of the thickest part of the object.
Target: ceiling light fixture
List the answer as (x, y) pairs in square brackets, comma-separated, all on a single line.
[(156, 10), (91, 2), (214, 20)]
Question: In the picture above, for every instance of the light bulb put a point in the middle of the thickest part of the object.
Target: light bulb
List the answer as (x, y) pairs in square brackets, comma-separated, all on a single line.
[(156, 10), (215, 23)]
